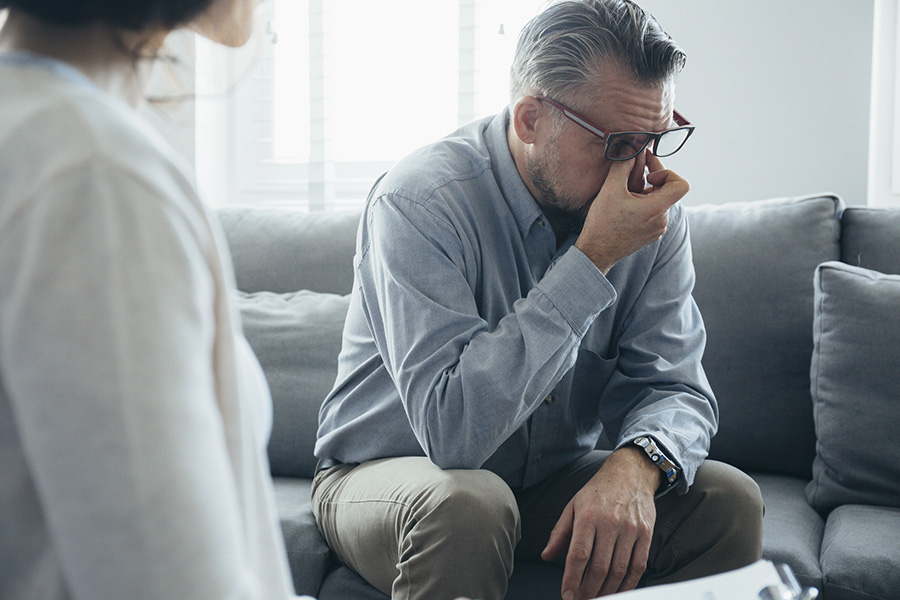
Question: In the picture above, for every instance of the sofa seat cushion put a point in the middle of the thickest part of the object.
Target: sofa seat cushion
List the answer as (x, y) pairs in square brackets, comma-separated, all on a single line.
[(755, 263), (792, 529), (297, 339), (854, 387), (861, 553), (307, 552)]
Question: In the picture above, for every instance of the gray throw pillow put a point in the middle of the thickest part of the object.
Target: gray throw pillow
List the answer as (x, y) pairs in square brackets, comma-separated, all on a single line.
[(856, 401), (297, 339)]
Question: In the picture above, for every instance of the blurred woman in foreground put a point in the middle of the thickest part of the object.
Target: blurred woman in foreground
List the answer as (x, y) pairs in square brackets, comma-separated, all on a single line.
[(133, 415)]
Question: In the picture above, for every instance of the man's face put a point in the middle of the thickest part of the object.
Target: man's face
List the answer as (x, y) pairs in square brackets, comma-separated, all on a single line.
[(567, 166)]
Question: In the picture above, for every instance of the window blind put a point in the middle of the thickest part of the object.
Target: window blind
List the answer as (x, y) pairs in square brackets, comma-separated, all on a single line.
[(338, 91)]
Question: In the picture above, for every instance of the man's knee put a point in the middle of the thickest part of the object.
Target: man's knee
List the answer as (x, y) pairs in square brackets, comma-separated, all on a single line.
[(732, 488), (466, 526), (734, 504), (475, 505)]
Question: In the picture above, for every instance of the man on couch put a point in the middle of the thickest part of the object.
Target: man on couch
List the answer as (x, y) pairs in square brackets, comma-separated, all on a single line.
[(523, 287)]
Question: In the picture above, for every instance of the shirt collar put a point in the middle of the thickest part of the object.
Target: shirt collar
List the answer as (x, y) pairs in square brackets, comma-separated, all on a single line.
[(24, 58), (521, 203)]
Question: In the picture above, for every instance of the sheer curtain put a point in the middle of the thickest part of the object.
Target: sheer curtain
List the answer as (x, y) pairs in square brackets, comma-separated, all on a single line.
[(335, 92)]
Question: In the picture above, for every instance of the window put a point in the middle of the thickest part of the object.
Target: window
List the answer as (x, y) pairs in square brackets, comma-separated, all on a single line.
[(339, 91), (884, 139)]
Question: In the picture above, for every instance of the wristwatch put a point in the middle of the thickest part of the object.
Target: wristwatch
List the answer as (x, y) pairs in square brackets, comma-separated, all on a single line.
[(659, 458)]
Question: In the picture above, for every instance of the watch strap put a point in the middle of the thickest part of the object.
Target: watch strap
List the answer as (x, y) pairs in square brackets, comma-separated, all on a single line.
[(670, 471)]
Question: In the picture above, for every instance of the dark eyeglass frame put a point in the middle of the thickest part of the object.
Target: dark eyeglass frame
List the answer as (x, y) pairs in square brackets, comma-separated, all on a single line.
[(609, 136)]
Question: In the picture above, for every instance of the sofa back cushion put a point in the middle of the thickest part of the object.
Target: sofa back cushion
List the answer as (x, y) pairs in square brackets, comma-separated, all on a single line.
[(755, 263), (870, 238), (279, 250), (297, 338), (295, 271)]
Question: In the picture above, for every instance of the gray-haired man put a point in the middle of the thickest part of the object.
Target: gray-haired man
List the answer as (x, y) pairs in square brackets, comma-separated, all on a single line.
[(522, 287)]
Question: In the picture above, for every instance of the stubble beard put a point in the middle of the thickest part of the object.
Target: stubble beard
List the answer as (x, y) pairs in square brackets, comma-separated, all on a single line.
[(558, 208)]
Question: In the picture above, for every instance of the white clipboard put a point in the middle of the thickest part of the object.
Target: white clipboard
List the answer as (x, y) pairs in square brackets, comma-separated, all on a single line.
[(762, 580)]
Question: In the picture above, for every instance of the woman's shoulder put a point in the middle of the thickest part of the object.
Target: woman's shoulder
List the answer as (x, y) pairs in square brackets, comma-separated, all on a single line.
[(61, 131), (63, 122)]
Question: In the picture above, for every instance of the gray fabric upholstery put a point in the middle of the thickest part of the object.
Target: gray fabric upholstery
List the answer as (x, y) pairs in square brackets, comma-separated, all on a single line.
[(861, 553), (792, 530), (297, 338), (285, 250), (870, 238), (308, 554), (755, 263), (856, 407)]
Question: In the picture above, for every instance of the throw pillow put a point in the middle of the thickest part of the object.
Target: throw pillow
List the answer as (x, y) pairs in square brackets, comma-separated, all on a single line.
[(297, 339), (856, 402)]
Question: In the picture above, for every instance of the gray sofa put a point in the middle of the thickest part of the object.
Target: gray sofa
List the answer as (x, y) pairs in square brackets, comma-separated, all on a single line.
[(804, 360)]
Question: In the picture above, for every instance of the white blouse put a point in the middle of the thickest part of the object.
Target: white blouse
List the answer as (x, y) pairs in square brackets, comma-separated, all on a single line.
[(133, 414)]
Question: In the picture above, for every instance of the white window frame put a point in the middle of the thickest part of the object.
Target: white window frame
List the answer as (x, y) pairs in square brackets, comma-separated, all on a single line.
[(322, 183), (231, 170), (884, 131)]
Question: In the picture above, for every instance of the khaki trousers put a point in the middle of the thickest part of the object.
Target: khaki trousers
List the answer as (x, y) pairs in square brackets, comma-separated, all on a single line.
[(415, 531)]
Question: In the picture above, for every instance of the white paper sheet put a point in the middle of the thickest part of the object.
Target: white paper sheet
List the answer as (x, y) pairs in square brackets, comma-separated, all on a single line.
[(740, 584)]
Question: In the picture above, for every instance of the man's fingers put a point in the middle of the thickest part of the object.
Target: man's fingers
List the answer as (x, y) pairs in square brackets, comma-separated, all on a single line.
[(659, 177), (580, 550), (618, 178), (637, 181), (559, 537), (638, 565), (617, 568), (600, 569), (653, 163)]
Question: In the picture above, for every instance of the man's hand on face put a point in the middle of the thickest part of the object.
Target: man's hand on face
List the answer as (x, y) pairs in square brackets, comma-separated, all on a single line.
[(607, 528), (625, 216)]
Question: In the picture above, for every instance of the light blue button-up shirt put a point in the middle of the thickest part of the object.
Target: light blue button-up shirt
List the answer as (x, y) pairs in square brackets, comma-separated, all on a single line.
[(474, 340)]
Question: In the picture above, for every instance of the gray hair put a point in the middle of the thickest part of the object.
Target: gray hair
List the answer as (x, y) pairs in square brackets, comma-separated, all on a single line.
[(560, 50)]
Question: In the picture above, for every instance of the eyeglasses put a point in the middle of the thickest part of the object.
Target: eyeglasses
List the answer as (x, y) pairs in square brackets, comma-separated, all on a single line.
[(625, 145)]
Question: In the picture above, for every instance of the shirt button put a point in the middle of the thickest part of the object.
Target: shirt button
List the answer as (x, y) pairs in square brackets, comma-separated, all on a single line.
[(538, 458), (549, 399), (541, 222)]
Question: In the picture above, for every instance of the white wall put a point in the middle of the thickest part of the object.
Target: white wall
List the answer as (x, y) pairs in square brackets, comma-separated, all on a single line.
[(780, 93)]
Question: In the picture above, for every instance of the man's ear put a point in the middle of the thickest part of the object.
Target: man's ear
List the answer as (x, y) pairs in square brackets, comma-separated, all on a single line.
[(525, 118)]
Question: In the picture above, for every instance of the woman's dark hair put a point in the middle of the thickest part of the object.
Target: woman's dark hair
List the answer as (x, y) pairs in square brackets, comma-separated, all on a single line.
[(135, 15)]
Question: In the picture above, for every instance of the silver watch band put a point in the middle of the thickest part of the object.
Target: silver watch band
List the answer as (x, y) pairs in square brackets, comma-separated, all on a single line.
[(658, 457)]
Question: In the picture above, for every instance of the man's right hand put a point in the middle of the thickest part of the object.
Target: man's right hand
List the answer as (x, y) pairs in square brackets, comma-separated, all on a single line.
[(620, 221)]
